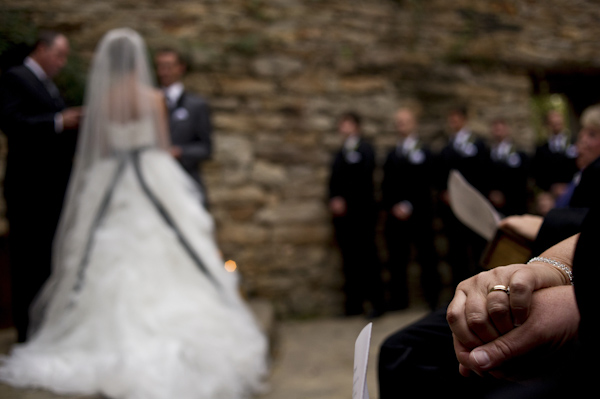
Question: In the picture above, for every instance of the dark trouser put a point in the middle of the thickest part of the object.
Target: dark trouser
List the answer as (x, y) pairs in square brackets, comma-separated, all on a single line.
[(361, 265), (399, 237), (33, 218), (465, 248), (30, 251), (419, 362)]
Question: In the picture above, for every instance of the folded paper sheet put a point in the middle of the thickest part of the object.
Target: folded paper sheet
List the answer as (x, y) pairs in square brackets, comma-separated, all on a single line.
[(476, 212), (361, 360), (471, 207)]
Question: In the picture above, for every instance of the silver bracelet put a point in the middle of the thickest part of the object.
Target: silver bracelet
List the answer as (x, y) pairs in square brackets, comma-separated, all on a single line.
[(553, 263)]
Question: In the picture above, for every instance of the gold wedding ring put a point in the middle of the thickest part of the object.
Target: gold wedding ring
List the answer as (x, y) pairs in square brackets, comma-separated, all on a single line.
[(503, 288)]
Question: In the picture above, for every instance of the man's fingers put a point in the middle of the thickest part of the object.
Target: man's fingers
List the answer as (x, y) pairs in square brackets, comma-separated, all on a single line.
[(498, 307), (457, 321), (478, 319)]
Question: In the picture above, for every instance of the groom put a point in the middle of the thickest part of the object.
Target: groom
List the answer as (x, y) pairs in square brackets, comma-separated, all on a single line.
[(189, 116), (41, 133)]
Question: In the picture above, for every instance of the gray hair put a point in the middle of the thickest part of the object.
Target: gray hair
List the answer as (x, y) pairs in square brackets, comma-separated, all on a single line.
[(591, 116)]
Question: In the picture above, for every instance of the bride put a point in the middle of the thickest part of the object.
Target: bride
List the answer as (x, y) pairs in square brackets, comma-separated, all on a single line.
[(139, 305)]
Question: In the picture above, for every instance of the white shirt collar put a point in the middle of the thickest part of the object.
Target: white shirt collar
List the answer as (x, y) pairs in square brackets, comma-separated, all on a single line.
[(462, 136), (34, 67), (351, 143), (558, 142), (174, 91), (407, 144), (502, 149)]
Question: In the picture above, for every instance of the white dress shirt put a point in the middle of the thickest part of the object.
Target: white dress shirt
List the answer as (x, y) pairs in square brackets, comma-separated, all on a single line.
[(173, 93), (406, 145)]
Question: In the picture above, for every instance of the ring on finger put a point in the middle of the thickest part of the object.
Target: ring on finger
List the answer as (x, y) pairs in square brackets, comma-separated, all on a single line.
[(502, 288)]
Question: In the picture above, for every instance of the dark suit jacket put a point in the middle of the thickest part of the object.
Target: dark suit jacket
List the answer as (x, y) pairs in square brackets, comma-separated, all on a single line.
[(587, 192), (561, 223), (352, 178), (39, 159), (586, 274), (408, 178), (471, 166), (191, 130), (552, 167), (509, 176)]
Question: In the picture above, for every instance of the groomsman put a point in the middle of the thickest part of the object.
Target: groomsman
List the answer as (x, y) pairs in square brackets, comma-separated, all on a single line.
[(407, 200), (554, 163), (352, 205), (41, 134), (189, 116), (466, 153), (507, 173)]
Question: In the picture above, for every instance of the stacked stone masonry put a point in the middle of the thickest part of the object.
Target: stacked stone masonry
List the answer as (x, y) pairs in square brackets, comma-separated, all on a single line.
[(277, 73)]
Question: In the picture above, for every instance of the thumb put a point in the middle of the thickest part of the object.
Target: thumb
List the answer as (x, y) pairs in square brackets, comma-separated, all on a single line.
[(494, 354)]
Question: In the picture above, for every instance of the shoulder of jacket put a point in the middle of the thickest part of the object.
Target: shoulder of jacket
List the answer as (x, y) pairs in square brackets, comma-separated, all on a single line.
[(365, 143), (18, 71), (193, 97)]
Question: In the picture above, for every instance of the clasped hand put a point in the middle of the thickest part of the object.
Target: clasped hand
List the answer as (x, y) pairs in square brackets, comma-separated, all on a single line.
[(492, 328)]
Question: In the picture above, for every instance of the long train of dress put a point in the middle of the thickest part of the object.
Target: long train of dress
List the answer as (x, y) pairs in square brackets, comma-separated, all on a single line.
[(141, 320)]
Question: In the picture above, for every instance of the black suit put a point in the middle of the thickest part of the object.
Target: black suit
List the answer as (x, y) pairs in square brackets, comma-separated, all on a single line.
[(408, 178), (587, 192), (191, 129), (464, 246), (562, 222), (37, 171), (550, 167), (352, 179), (415, 356), (423, 352), (469, 159), (508, 173)]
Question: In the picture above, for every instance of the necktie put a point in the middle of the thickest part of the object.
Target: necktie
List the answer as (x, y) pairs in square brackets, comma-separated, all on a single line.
[(563, 200), (52, 89)]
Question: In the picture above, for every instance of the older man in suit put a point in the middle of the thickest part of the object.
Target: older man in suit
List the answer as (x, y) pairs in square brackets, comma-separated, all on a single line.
[(41, 134), (189, 121)]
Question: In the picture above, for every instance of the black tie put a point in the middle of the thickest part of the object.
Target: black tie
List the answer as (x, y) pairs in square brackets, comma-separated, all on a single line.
[(52, 90), (51, 87)]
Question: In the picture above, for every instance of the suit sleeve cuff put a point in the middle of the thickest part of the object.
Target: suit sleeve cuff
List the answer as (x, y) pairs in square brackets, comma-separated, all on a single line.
[(408, 205), (58, 123)]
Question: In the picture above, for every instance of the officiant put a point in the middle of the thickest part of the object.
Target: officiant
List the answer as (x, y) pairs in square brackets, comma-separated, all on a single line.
[(41, 132)]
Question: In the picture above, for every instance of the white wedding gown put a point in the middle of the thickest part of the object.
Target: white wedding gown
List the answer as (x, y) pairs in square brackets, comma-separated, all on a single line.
[(141, 320)]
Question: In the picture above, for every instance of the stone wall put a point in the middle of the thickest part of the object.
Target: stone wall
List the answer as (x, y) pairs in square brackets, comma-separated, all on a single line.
[(278, 72)]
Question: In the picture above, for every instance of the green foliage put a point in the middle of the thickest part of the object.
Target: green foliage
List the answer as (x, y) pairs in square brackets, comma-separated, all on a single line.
[(543, 103), (71, 80), (17, 36)]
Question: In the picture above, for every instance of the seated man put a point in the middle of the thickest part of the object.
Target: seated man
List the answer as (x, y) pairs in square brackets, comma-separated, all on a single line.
[(420, 358)]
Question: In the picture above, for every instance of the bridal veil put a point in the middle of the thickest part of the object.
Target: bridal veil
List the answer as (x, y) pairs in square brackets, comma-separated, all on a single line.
[(119, 90)]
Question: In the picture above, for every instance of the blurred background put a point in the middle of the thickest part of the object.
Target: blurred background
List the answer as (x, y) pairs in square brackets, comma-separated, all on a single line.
[(277, 74)]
